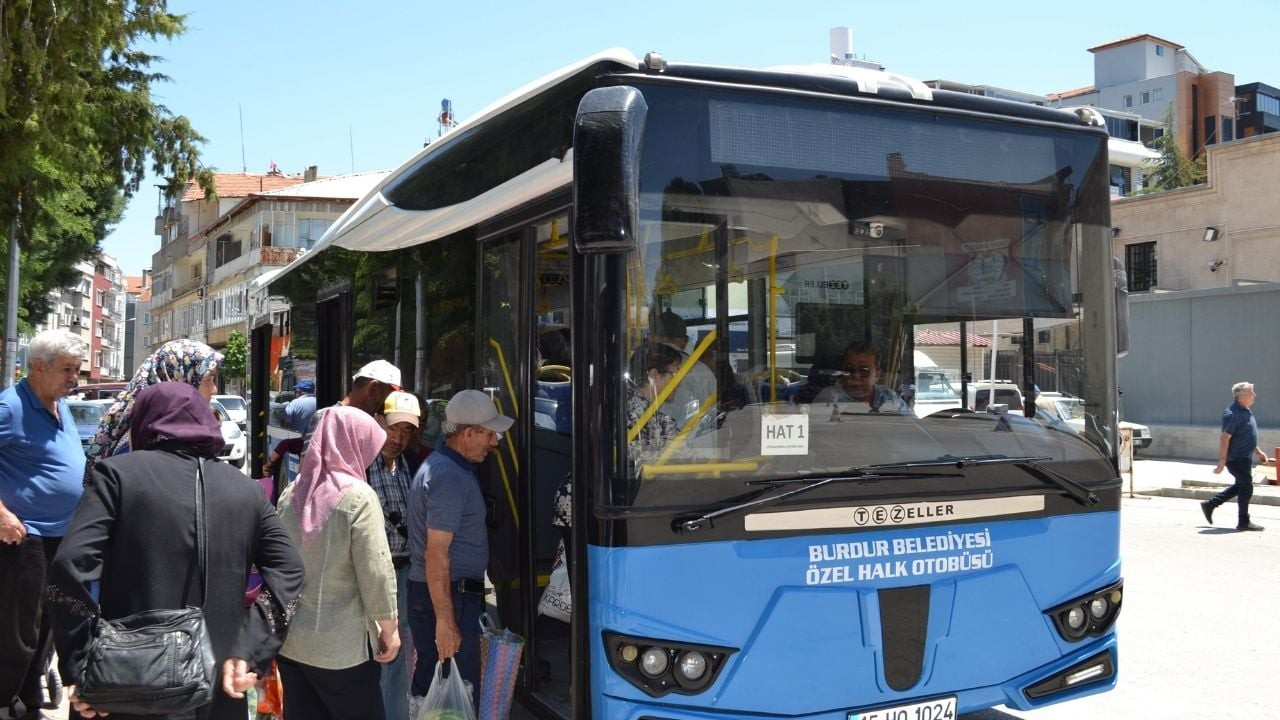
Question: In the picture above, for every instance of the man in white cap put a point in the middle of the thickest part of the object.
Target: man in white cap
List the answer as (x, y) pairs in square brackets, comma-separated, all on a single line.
[(370, 387), (449, 542), (389, 476)]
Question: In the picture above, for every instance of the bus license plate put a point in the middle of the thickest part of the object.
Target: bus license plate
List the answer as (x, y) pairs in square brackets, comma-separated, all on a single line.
[(937, 709)]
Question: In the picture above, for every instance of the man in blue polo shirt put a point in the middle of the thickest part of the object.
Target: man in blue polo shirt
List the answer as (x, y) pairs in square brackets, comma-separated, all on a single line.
[(1236, 447), (449, 542), (41, 477)]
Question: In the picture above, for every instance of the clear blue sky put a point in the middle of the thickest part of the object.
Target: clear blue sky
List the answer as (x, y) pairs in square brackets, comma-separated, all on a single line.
[(321, 81)]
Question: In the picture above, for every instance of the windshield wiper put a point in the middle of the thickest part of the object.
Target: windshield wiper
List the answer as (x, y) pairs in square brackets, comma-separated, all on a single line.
[(1080, 493), (1033, 464), (689, 524)]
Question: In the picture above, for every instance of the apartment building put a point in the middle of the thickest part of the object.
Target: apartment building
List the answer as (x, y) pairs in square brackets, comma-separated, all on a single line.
[(200, 287), (93, 307), (178, 268), (137, 317)]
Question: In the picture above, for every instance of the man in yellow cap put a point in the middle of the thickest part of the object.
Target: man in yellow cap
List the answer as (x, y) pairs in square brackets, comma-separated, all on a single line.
[(389, 475)]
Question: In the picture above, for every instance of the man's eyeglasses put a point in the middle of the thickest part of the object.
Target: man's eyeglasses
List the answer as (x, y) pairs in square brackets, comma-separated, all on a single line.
[(860, 371), (396, 519)]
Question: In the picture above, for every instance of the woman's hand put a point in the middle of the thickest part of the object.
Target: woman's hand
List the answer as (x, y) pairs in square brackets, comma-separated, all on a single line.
[(237, 678), (80, 706)]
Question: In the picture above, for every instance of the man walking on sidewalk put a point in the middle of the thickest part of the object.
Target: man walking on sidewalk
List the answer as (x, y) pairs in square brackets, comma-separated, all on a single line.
[(1236, 448)]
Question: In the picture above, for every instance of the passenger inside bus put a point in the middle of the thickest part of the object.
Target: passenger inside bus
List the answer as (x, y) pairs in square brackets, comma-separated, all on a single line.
[(698, 385), (651, 368)]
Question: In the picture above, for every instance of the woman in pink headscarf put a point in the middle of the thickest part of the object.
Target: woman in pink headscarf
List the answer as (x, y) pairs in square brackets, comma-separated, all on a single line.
[(345, 622)]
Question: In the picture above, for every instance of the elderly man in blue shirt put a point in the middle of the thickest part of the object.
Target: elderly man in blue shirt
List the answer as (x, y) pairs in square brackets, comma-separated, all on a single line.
[(41, 478)]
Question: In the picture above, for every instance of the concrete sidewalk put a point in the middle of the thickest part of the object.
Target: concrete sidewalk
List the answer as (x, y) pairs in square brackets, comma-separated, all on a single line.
[(1194, 480)]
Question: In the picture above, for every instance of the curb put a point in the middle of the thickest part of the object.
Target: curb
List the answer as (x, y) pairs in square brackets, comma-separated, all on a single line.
[(1197, 490)]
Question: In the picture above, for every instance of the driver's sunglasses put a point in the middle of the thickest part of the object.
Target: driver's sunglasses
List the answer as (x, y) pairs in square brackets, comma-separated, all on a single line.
[(395, 518), (860, 371)]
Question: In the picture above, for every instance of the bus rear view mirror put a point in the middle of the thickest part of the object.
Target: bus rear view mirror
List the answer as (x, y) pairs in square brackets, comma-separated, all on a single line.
[(606, 169)]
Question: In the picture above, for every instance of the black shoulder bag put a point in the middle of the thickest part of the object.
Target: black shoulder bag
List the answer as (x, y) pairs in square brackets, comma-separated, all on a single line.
[(157, 662)]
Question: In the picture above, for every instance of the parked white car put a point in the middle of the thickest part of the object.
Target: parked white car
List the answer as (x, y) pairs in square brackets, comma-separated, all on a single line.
[(237, 408), (1071, 411), (233, 438)]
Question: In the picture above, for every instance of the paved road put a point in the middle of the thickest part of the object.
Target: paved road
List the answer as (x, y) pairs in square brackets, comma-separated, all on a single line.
[(1200, 628)]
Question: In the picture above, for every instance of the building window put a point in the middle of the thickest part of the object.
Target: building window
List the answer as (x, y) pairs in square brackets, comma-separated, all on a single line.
[(310, 230), (97, 330), (1160, 50), (146, 318), (1128, 101), (1268, 104), (1140, 266), (1157, 94), (1146, 97), (98, 298)]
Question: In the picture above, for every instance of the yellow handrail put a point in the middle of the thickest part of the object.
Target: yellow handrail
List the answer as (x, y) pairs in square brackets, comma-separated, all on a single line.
[(689, 425)]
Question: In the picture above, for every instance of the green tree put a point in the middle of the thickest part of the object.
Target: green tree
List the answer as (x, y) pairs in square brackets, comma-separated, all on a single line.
[(1173, 169), (79, 128), (235, 356)]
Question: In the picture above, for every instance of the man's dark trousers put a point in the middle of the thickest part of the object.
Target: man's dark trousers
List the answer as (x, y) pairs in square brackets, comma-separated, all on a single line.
[(24, 630), (1242, 491), (422, 619)]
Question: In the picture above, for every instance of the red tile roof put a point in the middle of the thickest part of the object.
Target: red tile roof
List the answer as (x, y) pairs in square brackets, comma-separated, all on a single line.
[(948, 337), (1135, 38), (139, 285), (1065, 94), (238, 185)]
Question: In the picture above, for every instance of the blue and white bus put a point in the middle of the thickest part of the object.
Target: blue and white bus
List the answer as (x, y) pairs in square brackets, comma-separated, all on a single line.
[(786, 547)]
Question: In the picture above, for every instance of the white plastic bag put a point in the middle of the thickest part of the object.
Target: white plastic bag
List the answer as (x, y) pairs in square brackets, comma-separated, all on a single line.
[(557, 601), (449, 697)]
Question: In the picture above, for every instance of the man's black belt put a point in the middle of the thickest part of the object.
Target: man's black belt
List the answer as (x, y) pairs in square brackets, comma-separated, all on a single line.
[(399, 561), (469, 585)]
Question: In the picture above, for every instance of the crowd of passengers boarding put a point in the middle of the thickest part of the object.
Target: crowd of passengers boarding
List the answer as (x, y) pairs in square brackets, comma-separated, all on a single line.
[(374, 556), (341, 576)]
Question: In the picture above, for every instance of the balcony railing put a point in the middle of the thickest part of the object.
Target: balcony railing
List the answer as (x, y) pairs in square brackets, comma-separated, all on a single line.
[(187, 287), (277, 255)]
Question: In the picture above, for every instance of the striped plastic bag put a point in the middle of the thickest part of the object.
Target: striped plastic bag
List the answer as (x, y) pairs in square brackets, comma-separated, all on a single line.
[(499, 663)]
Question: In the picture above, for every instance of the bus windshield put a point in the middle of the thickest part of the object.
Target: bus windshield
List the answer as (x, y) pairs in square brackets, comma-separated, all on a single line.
[(797, 254)]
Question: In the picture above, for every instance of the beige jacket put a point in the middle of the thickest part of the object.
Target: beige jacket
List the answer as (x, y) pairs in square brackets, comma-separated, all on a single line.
[(349, 585)]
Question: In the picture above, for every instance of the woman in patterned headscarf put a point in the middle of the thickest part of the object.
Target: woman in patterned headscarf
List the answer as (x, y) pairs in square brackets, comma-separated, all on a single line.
[(181, 360)]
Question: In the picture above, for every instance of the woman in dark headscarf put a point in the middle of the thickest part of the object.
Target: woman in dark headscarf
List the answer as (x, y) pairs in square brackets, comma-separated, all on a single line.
[(134, 533), (182, 360)]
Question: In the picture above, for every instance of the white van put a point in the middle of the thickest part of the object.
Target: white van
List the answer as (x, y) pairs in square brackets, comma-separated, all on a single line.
[(1006, 393), (934, 390)]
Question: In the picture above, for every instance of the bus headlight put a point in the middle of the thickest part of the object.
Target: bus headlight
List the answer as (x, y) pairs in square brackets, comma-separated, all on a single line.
[(1075, 618), (654, 662), (659, 667), (1098, 608), (1091, 615), (692, 665)]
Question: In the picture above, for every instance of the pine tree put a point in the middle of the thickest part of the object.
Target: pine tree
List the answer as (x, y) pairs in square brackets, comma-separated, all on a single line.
[(1173, 169)]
